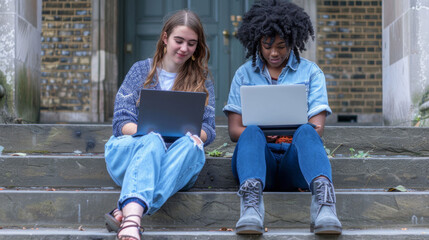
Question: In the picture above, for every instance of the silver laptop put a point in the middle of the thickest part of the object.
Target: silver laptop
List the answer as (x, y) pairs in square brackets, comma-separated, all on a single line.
[(170, 113), (276, 109)]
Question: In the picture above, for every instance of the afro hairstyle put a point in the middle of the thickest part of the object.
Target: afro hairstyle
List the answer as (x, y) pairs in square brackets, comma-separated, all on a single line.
[(268, 18)]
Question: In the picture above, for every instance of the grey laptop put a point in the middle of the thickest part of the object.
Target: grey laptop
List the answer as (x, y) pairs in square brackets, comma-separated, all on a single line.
[(170, 113), (276, 109)]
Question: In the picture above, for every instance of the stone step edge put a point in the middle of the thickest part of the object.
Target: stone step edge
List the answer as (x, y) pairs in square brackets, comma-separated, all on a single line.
[(393, 232), (373, 191), (91, 138)]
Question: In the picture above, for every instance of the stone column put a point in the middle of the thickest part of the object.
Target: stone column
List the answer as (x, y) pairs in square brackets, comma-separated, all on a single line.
[(310, 7), (104, 68), (406, 62), (20, 29)]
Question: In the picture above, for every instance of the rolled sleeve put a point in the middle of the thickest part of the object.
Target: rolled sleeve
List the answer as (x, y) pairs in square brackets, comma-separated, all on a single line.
[(234, 98), (313, 112), (317, 95)]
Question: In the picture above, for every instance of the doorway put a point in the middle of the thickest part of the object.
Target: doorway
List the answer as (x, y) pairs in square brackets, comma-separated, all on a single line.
[(142, 21)]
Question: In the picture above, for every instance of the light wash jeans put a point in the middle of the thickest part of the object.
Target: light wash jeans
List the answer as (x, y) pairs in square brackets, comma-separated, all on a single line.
[(284, 166), (147, 170)]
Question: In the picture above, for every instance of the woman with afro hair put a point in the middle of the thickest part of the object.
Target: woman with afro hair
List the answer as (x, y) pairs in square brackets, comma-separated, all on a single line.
[(274, 33)]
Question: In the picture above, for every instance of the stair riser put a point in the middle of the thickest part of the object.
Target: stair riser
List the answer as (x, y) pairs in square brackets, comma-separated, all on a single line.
[(211, 210), (87, 172), (91, 138), (57, 138)]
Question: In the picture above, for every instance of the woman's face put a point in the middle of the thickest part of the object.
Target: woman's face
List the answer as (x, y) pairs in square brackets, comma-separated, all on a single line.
[(276, 54), (181, 45)]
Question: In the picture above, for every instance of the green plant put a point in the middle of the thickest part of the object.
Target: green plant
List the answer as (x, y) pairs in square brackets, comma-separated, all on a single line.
[(359, 154), (216, 152), (328, 151)]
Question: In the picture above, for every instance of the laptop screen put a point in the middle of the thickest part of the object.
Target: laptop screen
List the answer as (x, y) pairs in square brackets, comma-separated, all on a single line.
[(170, 113), (274, 105)]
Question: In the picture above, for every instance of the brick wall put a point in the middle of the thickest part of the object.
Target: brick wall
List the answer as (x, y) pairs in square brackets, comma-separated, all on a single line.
[(66, 55), (349, 52)]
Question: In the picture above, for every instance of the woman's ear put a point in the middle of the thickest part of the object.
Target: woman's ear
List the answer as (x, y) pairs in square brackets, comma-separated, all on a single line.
[(164, 38)]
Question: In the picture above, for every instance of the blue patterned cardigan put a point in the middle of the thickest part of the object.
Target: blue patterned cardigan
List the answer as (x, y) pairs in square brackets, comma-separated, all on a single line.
[(126, 109)]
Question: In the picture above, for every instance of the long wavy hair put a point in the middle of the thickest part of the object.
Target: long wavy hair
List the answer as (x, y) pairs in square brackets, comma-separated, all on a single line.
[(268, 18), (192, 75)]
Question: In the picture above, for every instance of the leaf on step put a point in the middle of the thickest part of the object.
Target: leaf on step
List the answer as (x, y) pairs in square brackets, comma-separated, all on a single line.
[(226, 229), (215, 153), (80, 228), (417, 124), (398, 188), (266, 229), (19, 154)]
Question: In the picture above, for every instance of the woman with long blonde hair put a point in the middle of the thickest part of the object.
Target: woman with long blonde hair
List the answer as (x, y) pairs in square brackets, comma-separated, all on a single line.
[(149, 169)]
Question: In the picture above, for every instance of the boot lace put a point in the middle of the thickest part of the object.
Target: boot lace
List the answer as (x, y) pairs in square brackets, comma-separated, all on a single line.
[(250, 192), (325, 194)]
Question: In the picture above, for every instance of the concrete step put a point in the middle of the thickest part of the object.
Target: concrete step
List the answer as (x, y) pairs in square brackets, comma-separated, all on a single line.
[(271, 234), (89, 171), (211, 210), (67, 138)]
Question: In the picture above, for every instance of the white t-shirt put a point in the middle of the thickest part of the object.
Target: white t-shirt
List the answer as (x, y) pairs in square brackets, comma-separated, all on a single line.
[(166, 79)]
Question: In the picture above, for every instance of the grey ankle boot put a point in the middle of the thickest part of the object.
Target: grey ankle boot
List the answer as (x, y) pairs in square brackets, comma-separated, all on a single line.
[(323, 213), (252, 208)]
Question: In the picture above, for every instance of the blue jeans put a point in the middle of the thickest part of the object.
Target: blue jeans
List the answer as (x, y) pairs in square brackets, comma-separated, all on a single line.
[(148, 171), (283, 167)]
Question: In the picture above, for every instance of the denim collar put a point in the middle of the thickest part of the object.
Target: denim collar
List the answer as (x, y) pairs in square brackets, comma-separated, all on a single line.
[(292, 63)]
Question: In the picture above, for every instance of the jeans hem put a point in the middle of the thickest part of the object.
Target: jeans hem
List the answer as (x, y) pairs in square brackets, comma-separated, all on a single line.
[(134, 195), (259, 179), (321, 174)]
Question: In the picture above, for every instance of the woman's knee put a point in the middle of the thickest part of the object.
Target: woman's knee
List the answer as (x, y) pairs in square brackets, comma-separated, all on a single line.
[(152, 139), (186, 151), (252, 131), (305, 129), (188, 143)]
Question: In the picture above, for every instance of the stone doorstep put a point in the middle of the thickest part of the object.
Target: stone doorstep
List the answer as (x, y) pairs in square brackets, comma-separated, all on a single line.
[(211, 210), (296, 234), (90, 138), (90, 172)]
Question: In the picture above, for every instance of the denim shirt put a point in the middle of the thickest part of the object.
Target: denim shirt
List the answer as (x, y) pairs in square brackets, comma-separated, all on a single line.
[(303, 72)]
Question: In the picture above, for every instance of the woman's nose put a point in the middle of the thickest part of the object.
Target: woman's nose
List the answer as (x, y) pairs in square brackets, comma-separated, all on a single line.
[(184, 48), (274, 52)]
